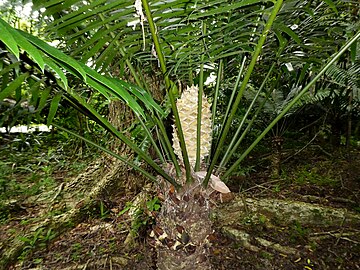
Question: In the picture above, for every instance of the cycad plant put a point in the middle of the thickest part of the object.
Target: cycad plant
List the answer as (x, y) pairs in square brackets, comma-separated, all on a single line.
[(184, 166), (339, 96)]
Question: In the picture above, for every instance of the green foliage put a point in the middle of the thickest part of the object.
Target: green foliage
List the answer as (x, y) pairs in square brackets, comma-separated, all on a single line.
[(96, 209), (309, 174), (33, 184), (340, 83), (153, 205), (178, 33), (143, 216), (104, 213), (76, 251), (234, 33), (298, 233), (276, 188), (40, 238), (31, 164), (266, 255)]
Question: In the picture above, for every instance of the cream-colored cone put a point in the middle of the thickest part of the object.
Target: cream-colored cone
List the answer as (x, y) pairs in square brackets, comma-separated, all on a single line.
[(187, 106)]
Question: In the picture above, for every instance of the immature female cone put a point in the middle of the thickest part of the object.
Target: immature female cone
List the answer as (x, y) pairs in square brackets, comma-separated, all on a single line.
[(187, 106)]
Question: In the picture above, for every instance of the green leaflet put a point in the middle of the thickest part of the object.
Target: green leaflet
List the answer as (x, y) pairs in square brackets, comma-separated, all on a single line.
[(35, 91), (123, 159), (107, 55), (84, 12), (56, 54), (331, 5), (58, 71), (4, 80), (280, 38), (141, 94), (43, 99), (287, 30), (115, 89), (53, 108), (15, 84), (23, 43), (225, 8), (9, 67), (83, 71), (99, 45), (99, 87), (8, 40), (38, 3)]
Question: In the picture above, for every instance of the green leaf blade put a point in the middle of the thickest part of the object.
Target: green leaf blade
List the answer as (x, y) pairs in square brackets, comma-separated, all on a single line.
[(24, 44), (58, 71), (332, 5), (285, 29), (15, 84), (44, 96), (53, 108), (56, 54), (8, 40)]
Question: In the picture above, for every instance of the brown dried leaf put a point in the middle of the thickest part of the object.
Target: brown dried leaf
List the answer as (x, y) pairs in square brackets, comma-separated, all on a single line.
[(215, 182)]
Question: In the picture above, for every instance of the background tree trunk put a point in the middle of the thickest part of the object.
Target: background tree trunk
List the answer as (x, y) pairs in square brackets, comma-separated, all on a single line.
[(121, 117), (277, 143), (349, 120)]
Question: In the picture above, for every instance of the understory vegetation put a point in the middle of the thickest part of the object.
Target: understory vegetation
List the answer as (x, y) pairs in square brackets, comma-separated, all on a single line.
[(312, 178)]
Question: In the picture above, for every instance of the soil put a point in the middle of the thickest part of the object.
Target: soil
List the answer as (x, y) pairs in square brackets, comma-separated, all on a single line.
[(97, 242)]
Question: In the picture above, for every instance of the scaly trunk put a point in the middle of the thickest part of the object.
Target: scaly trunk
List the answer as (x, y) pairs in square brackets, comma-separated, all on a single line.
[(182, 228), (277, 143), (349, 122)]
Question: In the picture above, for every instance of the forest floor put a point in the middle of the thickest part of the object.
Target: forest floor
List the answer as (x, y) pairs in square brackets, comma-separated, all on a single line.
[(97, 242)]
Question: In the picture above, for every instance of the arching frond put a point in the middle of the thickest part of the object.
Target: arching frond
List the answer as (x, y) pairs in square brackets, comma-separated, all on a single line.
[(107, 34)]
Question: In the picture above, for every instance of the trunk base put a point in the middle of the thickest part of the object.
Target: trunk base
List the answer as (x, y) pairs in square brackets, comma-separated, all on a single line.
[(182, 228)]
